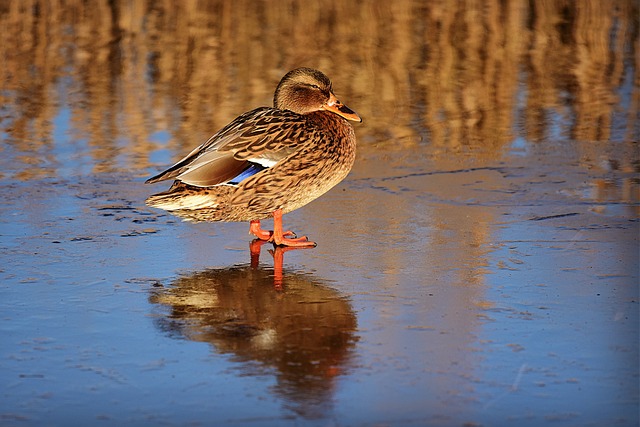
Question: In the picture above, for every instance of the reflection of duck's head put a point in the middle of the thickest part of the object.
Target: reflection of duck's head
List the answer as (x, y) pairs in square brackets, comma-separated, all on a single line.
[(305, 331)]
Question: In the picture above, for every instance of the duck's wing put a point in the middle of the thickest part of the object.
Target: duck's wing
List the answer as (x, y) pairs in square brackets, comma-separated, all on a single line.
[(253, 141)]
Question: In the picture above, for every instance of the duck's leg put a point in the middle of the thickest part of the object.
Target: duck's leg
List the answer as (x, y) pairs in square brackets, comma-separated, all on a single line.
[(278, 237), (254, 228), (266, 235)]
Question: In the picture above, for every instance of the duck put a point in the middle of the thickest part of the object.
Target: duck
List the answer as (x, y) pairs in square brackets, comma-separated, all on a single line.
[(267, 162)]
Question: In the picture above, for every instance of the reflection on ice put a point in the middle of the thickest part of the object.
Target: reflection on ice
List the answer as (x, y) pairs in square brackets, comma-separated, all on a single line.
[(290, 323), (481, 117)]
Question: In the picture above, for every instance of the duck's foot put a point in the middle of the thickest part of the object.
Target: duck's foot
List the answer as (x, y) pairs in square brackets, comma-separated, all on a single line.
[(266, 235), (277, 236), (301, 242), (292, 243)]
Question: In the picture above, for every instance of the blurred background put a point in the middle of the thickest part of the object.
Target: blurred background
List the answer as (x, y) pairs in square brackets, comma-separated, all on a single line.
[(134, 79)]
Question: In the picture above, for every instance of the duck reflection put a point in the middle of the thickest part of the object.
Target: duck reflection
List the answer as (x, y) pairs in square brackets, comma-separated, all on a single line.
[(286, 321)]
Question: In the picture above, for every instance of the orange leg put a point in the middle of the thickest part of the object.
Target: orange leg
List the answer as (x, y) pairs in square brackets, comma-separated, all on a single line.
[(266, 235), (277, 236), (254, 228), (279, 239)]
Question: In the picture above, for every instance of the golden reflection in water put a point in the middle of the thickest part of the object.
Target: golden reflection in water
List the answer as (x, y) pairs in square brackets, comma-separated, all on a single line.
[(290, 323), (452, 73)]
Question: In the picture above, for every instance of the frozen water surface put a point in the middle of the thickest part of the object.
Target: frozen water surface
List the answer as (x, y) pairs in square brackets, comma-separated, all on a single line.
[(478, 267)]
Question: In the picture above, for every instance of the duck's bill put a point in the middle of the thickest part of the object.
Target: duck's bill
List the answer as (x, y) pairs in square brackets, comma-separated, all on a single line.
[(335, 106)]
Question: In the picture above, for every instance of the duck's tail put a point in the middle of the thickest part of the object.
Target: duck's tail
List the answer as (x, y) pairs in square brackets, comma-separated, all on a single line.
[(181, 197)]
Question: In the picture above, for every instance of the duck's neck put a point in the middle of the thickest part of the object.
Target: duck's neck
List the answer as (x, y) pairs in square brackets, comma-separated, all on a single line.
[(331, 123)]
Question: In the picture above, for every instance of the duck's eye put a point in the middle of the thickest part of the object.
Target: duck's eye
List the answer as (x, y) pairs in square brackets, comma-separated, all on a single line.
[(315, 87)]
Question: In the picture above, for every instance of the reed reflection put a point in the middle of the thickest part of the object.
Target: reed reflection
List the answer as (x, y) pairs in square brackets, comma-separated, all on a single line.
[(291, 323), (453, 74)]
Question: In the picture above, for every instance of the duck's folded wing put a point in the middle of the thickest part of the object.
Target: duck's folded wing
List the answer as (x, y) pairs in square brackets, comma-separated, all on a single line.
[(211, 169), (263, 136)]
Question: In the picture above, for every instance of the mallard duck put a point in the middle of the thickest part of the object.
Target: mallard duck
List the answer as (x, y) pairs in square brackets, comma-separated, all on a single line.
[(268, 161)]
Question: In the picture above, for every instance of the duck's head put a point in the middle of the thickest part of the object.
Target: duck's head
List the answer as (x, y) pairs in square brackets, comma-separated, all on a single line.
[(305, 90)]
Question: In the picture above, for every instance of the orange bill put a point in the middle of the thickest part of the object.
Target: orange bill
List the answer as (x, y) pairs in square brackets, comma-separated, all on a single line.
[(335, 106)]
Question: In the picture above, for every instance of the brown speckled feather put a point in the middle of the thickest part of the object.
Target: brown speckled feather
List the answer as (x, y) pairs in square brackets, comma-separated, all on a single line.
[(265, 133)]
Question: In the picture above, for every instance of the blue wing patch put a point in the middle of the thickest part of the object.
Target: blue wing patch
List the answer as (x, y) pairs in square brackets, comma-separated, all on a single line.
[(253, 169)]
